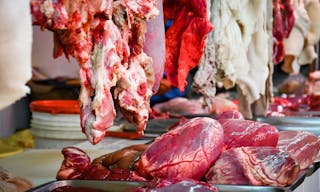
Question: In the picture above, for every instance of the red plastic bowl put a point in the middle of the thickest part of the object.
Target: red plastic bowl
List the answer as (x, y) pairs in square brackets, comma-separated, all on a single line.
[(56, 106)]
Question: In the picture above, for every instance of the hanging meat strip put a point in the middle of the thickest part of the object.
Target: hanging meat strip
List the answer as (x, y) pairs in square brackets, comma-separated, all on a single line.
[(185, 39), (204, 80), (107, 38), (283, 21)]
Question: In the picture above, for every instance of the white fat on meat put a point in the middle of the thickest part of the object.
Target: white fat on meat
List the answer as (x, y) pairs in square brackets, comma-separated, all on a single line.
[(242, 47), (155, 46), (134, 99), (147, 8), (305, 33), (106, 66), (204, 80)]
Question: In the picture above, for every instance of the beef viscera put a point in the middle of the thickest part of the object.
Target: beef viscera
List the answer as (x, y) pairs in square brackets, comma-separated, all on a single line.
[(107, 39), (239, 132), (254, 166), (302, 146), (112, 166), (185, 152)]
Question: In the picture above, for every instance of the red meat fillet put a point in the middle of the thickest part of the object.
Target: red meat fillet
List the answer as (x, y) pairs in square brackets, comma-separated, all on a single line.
[(302, 146), (75, 163), (184, 152), (239, 133), (254, 166)]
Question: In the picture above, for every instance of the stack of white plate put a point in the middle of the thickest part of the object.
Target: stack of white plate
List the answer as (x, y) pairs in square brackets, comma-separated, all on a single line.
[(56, 130), (62, 126)]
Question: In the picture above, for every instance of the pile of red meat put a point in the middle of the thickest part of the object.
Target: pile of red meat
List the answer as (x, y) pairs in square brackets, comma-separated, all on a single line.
[(183, 106), (226, 150), (291, 105)]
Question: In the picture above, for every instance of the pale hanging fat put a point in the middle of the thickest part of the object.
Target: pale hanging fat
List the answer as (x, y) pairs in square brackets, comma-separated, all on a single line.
[(204, 80), (15, 54), (242, 48)]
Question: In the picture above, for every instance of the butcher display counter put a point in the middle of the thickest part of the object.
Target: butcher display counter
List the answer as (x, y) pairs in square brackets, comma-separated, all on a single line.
[(155, 127), (123, 186), (159, 127)]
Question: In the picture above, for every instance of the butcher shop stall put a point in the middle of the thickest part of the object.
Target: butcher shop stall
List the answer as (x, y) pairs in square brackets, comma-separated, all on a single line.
[(160, 95)]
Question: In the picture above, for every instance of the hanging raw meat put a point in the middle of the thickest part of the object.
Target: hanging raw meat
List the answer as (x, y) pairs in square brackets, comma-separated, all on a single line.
[(185, 39), (204, 81), (283, 21), (107, 38)]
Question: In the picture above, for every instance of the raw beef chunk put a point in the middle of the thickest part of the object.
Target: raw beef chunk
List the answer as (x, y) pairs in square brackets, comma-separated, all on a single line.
[(254, 166), (302, 146), (239, 133), (185, 152)]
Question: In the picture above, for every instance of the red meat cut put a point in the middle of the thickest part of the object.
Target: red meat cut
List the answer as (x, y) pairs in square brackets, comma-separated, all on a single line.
[(220, 105), (302, 146), (185, 152), (181, 106), (74, 164), (240, 133), (232, 114), (107, 38), (254, 166)]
